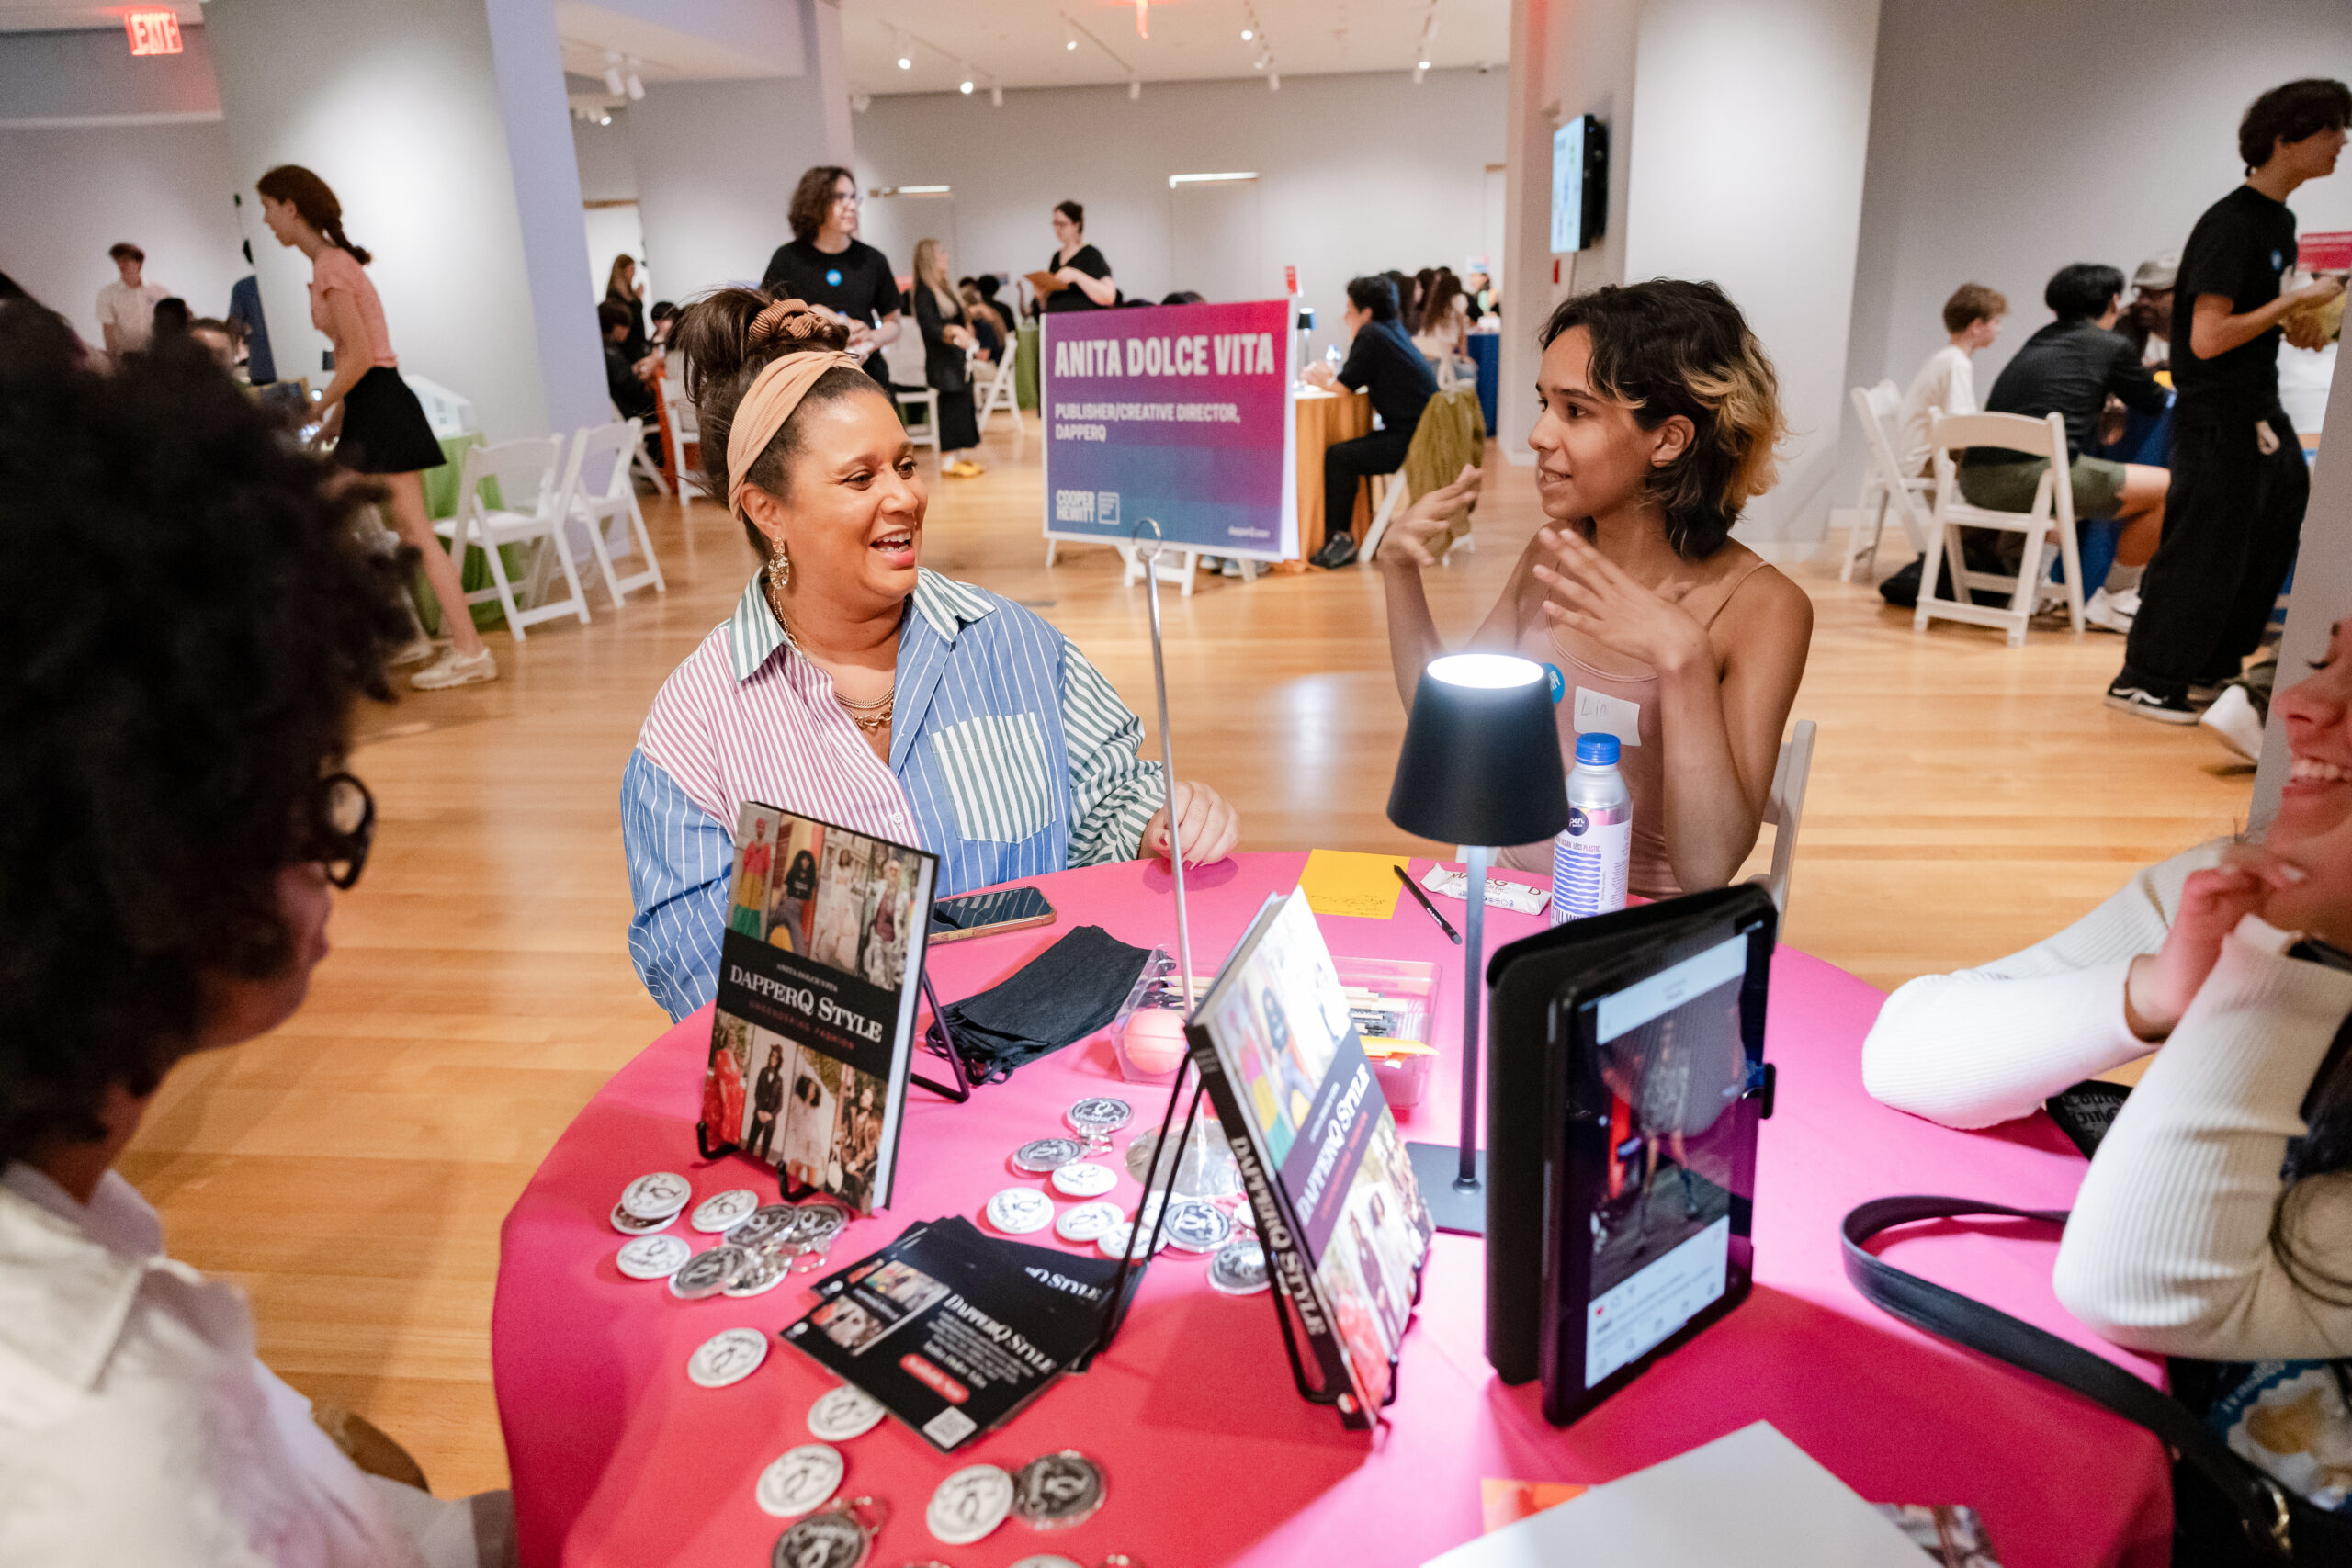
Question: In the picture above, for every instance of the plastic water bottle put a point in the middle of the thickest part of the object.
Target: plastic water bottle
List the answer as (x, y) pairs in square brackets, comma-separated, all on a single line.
[(1589, 859), (1334, 358)]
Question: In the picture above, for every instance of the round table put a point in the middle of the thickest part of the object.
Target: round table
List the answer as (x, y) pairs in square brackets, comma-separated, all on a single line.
[(1211, 1457)]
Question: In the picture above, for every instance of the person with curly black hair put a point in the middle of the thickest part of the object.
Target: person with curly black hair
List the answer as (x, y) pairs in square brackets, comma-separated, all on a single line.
[(190, 617)]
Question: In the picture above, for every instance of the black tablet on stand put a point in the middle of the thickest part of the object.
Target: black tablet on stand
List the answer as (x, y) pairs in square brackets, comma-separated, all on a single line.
[(1629, 1081)]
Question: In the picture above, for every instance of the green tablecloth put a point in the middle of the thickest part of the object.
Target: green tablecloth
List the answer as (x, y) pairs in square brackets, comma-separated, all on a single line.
[(1024, 365), (441, 500)]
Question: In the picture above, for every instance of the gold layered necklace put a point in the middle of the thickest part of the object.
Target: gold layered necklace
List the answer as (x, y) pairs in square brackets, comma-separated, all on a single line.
[(872, 717)]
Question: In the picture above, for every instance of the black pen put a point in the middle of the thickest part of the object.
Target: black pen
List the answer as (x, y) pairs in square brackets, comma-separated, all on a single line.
[(1423, 900)]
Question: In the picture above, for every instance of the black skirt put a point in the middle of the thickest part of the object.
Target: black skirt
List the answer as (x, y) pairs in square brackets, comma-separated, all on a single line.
[(959, 427), (384, 427)]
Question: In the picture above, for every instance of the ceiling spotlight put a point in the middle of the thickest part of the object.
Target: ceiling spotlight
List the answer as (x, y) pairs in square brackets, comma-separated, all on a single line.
[(965, 87), (861, 102), (996, 94), (613, 81), (1135, 88), (1070, 34), (906, 61), (603, 120), (1422, 65), (1249, 33), (636, 86), (1259, 63), (1274, 82)]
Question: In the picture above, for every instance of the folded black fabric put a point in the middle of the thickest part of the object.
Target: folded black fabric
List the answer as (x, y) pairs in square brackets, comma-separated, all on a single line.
[(1063, 995)]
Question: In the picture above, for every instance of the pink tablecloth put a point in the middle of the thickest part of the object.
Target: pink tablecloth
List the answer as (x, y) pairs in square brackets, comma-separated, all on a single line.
[(1211, 1458)]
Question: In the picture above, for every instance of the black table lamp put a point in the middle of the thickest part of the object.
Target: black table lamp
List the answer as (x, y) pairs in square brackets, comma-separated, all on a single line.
[(1480, 767)]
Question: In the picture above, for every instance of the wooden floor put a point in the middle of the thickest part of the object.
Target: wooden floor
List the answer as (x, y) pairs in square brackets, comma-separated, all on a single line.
[(351, 1171)]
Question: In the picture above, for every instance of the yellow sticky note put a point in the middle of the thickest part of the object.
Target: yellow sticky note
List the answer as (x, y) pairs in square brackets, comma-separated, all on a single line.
[(1340, 882)]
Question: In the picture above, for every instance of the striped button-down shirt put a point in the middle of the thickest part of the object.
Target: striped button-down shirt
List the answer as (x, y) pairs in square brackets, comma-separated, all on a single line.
[(1009, 756)]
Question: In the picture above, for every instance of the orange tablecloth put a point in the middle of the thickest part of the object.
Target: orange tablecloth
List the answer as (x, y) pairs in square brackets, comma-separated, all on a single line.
[(1325, 418)]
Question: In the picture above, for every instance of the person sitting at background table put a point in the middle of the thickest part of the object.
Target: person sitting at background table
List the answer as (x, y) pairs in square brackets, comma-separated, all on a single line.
[(1946, 381), (1444, 332), (854, 687), (2069, 369), (947, 343), (172, 822), (1078, 267), (632, 396), (1660, 417), (1383, 361), (2215, 1222)]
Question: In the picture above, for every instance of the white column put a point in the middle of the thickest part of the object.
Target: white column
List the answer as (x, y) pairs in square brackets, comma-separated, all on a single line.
[(1737, 130), (1751, 126), (441, 125)]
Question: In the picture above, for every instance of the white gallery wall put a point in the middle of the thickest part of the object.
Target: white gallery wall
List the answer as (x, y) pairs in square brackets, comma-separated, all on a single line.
[(1749, 125), (1737, 154), (97, 147), (1356, 174), (2009, 138), (442, 126)]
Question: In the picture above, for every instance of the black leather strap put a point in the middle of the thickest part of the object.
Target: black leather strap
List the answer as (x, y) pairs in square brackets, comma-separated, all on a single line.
[(2264, 1507)]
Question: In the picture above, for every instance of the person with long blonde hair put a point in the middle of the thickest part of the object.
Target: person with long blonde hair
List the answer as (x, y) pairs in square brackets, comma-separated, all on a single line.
[(947, 343), (1660, 417)]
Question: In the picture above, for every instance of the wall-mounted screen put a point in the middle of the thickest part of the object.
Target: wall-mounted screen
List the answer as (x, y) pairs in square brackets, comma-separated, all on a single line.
[(1579, 184)]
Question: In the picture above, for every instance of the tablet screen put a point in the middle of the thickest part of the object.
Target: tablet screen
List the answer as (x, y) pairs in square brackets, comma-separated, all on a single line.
[(1670, 1054)]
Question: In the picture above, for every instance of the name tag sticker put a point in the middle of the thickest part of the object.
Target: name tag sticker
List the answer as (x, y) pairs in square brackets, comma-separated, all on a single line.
[(1598, 712)]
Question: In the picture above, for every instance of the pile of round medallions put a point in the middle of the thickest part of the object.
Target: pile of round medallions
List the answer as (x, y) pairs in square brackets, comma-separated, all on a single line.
[(1051, 1492), (758, 1246), (1221, 1231)]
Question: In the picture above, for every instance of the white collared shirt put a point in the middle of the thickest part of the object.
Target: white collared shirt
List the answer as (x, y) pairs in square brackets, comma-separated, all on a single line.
[(136, 1425)]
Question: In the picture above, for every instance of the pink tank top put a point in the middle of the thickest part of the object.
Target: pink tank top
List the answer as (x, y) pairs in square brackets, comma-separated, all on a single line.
[(1622, 700), (336, 267)]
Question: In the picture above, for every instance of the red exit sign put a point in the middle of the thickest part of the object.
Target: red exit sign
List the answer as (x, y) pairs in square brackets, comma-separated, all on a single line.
[(153, 32)]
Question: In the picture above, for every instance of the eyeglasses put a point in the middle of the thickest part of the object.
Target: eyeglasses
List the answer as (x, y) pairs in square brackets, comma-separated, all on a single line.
[(341, 829)]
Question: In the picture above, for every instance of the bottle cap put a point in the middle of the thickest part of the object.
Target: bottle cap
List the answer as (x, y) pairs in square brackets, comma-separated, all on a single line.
[(1597, 749)]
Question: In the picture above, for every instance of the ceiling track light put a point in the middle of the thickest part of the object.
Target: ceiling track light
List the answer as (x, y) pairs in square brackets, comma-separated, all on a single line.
[(1135, 88), (965, 84), (1249, 33), (636, 86), (613, 82), (1273, 82), (996, 94)]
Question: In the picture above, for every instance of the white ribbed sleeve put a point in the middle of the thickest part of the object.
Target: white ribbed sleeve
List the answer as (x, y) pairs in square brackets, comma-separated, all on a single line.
[(2169, 1250), (1982, 1045)]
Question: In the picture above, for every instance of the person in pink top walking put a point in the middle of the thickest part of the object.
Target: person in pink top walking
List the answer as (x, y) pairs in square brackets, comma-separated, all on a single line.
[(378, 426)]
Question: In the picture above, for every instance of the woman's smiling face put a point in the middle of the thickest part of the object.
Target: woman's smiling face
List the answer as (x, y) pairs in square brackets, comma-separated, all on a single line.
[(2313, 829), (852, 519)]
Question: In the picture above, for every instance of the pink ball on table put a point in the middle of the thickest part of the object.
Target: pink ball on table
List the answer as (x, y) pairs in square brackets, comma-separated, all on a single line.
[(1155, 1041)]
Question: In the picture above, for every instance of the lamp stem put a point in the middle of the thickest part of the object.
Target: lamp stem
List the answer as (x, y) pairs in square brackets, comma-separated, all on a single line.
[(1148, 551), (1473, 938)]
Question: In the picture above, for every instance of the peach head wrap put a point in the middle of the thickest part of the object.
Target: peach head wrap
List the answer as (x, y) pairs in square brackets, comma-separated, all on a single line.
[(775, 392)]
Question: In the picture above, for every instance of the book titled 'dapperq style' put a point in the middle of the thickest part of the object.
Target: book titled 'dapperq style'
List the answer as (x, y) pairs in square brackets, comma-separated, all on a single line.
[(818, 974), (1344, 1227)]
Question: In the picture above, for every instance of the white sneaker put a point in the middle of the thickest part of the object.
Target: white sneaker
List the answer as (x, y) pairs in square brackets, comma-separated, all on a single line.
[(417, 652), (2233, 718), (454, 669), (2105, 611)]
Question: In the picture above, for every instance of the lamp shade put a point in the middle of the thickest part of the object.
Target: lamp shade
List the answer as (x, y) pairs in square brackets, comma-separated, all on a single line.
[(1481, 762)]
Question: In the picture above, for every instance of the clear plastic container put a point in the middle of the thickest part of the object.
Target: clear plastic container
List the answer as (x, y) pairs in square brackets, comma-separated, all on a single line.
[(1158, 987), (1407, 992)]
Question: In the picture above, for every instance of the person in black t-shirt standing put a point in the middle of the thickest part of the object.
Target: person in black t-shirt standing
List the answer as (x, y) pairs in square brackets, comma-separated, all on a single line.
[(2239, 481), (1078, 267), (827, 264), (1383, 360)]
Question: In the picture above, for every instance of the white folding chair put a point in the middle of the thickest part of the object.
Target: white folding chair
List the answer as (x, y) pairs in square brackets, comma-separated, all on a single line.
[(605, 448), (2052, 511), (903, 357), (998, 393), (682, 432), (1784, 809), (530, 468), (1885, 487)]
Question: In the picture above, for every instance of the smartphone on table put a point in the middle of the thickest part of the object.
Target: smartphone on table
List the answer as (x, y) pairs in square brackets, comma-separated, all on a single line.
[(985, 914)]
